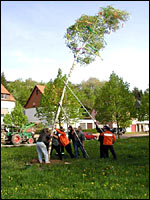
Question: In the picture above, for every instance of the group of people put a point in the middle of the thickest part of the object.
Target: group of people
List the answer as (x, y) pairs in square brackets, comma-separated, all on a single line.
[(61, 141)]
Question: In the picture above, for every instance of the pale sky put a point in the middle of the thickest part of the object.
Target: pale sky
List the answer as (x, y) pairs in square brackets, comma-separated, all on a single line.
[(33, 44)]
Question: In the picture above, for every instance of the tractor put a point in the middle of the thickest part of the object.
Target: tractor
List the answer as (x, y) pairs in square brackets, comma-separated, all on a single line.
[(17, 135)]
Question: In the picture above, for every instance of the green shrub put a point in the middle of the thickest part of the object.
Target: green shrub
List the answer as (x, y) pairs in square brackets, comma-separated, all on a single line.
[(90, 130)]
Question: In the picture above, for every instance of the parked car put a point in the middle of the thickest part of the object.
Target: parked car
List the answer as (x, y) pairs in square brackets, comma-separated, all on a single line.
[(89, 136), (121, 131)]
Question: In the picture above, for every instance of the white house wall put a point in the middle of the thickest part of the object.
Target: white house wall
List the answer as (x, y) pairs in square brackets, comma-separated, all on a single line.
[(6, 107), (83, 123)]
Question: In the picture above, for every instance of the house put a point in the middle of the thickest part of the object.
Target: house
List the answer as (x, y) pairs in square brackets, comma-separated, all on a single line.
[(7, 102), (34, 101), (139, 126)]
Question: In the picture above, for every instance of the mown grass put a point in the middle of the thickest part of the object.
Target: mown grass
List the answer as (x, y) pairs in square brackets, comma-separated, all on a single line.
[(91, 178)]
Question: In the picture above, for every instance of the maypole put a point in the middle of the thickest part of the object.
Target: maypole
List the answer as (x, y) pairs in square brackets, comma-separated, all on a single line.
[(86, 38), (61, 100)]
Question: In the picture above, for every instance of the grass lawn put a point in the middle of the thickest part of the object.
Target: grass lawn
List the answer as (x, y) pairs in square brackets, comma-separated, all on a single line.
[(91, 178)]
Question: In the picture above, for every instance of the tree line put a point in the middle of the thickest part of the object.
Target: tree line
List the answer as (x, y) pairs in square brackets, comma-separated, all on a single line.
[(112, 100)]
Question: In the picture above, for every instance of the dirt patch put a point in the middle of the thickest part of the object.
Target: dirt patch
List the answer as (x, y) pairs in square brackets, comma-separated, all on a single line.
[(36, 161)]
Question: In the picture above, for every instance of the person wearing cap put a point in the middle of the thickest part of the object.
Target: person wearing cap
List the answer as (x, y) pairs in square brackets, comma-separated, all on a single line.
[(109, 139), (65, 141), (100, 139), (42, 145)]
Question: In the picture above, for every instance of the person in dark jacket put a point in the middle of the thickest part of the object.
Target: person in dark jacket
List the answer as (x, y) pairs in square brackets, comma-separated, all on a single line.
[(99, 130), (42, 145), (56, 145), (71, 134), (79, 143)]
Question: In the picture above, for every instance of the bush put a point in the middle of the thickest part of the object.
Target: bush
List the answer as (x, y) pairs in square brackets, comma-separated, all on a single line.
[(90, 130)]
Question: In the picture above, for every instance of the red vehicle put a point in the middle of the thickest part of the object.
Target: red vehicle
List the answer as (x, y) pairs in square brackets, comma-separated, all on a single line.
[(89, 136)]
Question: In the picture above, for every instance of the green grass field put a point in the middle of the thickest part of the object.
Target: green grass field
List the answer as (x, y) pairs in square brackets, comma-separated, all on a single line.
[(91, 178)]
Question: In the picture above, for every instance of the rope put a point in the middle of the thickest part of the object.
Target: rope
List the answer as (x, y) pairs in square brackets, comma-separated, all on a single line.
[(74, 131), (82, 105)]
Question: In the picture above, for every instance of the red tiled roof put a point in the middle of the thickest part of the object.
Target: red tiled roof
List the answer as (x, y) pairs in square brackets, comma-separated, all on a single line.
[(41, 88), (5, 91)]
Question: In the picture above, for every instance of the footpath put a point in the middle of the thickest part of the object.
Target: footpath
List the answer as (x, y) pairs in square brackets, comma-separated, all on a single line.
[(125, 136)]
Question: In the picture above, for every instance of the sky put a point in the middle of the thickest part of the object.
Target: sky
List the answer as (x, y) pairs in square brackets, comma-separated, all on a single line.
[(33, 44)]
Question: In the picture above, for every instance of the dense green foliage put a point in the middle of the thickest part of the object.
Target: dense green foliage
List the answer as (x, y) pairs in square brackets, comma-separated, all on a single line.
[(141, 104), (89, 90), (3, 80), (143, 113), (50, 99), (115, 102), (16, 117), (92, 178), (90, 130)]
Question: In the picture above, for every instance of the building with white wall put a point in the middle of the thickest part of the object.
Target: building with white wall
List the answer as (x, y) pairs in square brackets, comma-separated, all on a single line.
[(8, 102), (34, 101)]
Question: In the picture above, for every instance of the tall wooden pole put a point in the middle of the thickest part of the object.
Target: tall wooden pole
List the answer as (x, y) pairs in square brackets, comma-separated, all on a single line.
[(62, 97), (60, 104)]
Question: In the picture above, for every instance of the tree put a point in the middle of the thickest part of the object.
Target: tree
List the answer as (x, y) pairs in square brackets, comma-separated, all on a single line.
[(21, 90), (138, 96), (3, 80), (137, 93), (144, 106), (50, 100), (17, 117), (8, 120), (88, 92), (115, 103)]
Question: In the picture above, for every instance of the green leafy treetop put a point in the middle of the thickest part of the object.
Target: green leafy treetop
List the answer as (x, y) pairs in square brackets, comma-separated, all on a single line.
[(115, 103), (50, 100), (16, 117), (86, 37)]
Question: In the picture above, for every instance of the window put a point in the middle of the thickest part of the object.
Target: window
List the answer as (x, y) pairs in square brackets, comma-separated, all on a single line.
[(5, 96), (37, 91), (83, 125)]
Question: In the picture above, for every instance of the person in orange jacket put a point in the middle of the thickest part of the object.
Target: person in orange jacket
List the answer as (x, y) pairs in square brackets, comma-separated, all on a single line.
[(108, 140), (64, 141)]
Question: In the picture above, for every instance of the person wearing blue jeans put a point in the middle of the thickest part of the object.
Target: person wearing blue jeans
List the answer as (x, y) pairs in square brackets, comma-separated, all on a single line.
[(79, 144), (42, 145)]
